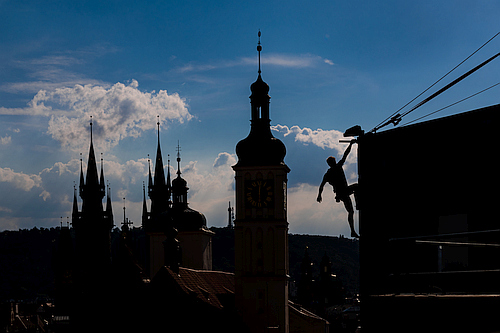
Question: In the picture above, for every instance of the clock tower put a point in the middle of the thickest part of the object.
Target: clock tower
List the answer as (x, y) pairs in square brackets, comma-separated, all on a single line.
[(261, 227)]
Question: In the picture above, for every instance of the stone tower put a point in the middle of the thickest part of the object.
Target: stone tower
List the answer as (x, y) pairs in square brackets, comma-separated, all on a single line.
[(261, 227)]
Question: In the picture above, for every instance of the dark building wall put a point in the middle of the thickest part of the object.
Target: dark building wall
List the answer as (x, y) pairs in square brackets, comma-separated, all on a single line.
[(436, 177)]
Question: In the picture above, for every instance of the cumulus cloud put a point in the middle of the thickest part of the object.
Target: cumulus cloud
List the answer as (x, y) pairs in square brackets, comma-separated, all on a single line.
[(45, 195), (224, 159), (210, 189), (129, 173), (20, 180), (325, 139), (119, 111), (5, 140), (306, 215)]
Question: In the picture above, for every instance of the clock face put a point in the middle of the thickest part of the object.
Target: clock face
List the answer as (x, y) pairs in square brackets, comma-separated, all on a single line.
[(259, 193)]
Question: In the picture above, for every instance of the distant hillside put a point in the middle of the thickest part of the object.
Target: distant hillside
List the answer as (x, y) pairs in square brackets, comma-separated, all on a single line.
[(343, 253), (26, 259), (26, 263)]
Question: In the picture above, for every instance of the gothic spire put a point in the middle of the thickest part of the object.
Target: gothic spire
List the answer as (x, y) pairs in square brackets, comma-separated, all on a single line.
[(159, 178), (109, 208), (92, 177), (144, 204), (150, 178), (169, 183), (102, 174), (75, 203), (82, 181)]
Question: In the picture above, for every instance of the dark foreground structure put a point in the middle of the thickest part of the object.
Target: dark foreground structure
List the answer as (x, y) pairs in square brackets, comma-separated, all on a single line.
[(429, 248)]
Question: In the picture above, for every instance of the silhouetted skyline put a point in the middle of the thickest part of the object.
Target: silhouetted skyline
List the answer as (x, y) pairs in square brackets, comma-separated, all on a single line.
[(329, 67)]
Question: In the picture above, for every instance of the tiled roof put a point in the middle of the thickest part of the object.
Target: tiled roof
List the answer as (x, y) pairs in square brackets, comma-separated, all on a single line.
[(207, 286)]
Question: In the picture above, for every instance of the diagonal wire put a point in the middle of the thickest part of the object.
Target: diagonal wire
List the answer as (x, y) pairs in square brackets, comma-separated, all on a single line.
[(384, 122), (466, 98)]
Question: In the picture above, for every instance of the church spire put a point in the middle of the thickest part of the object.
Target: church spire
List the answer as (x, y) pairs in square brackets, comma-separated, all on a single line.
[(75, 204), (169, 183), (109, 208), (158, 190), (144, 204), (93, 191), (159, 178), (150, 178), (82, 181), (92, 177), (102, 174)]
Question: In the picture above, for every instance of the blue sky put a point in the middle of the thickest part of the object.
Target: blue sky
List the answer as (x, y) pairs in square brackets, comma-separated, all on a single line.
[(330, 65)]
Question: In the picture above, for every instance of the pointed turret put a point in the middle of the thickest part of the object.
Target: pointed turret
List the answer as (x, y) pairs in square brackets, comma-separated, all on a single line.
[(93, 191), (82, 181), (144, 204), (102, 174), (109, 208), (150, 178), (169, 183), (159, 178), (92, 178), (75, 205), (158, 191)]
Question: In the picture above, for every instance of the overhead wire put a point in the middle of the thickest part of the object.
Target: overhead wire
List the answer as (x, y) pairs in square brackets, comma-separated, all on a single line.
[(395, 117), (464, 99)]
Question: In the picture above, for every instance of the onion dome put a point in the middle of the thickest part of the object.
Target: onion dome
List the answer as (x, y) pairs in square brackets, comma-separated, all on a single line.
[(185, 218), (260, 147)]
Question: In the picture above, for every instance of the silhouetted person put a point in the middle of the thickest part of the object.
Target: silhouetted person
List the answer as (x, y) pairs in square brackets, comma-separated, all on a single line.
[(335, 176)]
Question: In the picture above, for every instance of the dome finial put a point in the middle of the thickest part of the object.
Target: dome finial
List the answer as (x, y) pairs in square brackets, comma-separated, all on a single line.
[(158, 123), (178, 158), (259, 48), (91, 129)]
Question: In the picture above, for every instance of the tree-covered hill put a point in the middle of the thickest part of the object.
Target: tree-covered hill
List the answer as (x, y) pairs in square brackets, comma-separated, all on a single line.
[(26, 270)]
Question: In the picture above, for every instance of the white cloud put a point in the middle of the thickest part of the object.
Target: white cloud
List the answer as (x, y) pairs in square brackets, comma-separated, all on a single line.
[(44, 195), (211, 190), (306, 215), (224, 159), (119, 111), (20, 180), (325, 139), (6, 140), (60, 168), (131, 172)]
